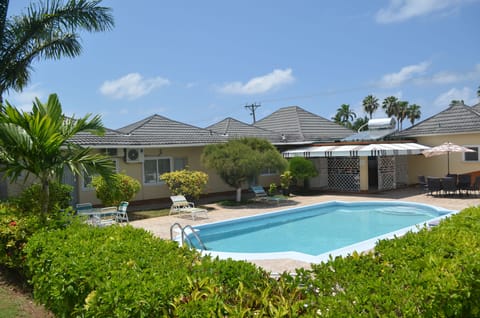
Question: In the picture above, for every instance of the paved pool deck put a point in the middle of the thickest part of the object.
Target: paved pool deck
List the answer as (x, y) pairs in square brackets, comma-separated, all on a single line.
[(161, 226)]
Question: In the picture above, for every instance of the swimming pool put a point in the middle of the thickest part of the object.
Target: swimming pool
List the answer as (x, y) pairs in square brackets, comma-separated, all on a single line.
[(314, 232)]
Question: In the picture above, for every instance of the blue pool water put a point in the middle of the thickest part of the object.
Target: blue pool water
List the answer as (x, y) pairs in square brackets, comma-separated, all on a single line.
[(316, 229)]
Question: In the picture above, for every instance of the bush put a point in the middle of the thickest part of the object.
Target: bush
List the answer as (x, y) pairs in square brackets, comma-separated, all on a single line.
[(120, 188), (186, 182), (116, 271), (16, 228), (302, 169), (60, 197)]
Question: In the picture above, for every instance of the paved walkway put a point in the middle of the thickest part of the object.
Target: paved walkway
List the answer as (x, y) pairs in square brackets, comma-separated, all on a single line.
[(161, 226)]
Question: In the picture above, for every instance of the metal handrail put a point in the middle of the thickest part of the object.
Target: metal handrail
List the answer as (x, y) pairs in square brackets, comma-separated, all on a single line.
[(171, 231), (194, 234), (184, 235)]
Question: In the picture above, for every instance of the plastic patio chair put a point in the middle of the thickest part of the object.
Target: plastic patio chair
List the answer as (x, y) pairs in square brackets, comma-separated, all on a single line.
[(122, 215)]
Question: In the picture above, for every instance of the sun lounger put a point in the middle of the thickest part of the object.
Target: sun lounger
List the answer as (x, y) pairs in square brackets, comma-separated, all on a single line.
[(262, 196), (180, 205)]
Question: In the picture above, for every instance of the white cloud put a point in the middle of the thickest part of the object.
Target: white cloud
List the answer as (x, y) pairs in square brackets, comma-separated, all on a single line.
[(24, 100), (132, 86), (405, 74), (260, 84), (466, 94), (451, 77), (401, 10)]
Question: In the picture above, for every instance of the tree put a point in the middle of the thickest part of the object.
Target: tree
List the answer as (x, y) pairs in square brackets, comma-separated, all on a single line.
[(346, 114), (359, 123), (47, 31), (302, 169), (120, 188), (241, 160), (402, 112), (370, 105), (478, 92), (413, 113), (390, 105), (186, 182), (38, 143)]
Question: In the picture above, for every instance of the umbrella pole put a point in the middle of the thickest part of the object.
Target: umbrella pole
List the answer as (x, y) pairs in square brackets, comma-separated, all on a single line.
[(448, 162)]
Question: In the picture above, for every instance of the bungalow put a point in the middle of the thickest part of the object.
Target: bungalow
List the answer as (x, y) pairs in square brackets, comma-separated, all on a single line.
[(459, 124)]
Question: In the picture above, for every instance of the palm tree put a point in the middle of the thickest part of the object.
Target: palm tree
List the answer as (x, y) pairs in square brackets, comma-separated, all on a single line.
[(478, 92), (402, 112), (38, 143), (390, 105), (413, 113), (359, 123), (345, 115), (370, 105), (46, 32)]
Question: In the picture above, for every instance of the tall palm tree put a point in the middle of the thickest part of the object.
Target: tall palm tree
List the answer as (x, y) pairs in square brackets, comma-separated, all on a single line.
[(346, 115), (390, 105), (37, 143), (402, 112), (370, 105), (47, 31), (413, 113)]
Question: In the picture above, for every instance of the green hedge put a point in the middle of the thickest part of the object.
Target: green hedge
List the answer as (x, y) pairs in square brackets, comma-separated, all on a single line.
[(120, 271)]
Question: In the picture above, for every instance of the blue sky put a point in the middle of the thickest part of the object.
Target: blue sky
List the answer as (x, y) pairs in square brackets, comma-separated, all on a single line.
[(199, 62)]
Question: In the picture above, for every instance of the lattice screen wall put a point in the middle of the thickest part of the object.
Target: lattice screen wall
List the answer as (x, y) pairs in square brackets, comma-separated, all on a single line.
[(386, 173), (344, 174), (401, 171)]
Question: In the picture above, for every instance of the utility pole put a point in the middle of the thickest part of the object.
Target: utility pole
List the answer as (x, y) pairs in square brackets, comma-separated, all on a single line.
[(252, 109)]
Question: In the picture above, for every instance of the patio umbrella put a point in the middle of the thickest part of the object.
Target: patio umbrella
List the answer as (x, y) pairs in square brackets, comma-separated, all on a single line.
[(445, 149)]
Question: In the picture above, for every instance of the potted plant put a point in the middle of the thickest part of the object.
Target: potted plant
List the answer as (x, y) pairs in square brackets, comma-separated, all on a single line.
[(286, 179)]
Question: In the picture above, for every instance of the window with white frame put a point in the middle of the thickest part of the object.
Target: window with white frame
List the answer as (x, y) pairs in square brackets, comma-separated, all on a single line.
[(87, 179), (471, 156), (153, 168)]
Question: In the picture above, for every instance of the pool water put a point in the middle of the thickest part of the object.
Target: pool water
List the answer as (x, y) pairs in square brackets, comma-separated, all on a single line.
[(317, 229)]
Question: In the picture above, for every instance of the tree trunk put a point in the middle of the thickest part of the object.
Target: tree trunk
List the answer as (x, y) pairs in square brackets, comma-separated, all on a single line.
[(239, 194)]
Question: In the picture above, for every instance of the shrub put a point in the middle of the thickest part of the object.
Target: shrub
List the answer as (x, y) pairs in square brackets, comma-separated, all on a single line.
[(114, 271), (60, 197), (120, 188), (302, 169), (186, 182), (16, 228)]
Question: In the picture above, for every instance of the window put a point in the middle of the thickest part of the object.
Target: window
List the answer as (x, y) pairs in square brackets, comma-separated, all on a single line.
[(471, 156), (154, 168), (268, 172), (179, 163), (87, 179)]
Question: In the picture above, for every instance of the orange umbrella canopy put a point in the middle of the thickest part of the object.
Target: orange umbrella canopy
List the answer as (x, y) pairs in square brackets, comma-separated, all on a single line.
[(445, 149)]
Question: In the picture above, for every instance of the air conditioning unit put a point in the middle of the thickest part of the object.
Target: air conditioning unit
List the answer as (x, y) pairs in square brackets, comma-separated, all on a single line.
[(134, 155)]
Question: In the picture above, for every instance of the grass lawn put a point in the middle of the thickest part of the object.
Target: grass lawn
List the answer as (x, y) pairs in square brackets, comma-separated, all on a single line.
[(17, 302)]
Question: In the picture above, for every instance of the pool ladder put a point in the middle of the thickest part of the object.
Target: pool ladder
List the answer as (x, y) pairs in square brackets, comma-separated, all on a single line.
[(183, 235)]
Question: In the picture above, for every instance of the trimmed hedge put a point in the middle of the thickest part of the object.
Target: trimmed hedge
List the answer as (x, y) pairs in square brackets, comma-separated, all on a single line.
[(120, 271)]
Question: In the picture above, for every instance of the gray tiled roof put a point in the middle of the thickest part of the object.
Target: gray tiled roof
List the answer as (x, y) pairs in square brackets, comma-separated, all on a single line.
[(233, 128), (155, 130), (299, 125), (457, 118)]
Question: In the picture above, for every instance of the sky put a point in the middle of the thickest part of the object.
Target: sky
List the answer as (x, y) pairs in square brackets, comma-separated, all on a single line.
[(199, 62)]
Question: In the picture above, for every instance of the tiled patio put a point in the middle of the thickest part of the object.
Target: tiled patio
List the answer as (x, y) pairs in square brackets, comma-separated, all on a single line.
[(161, 226)]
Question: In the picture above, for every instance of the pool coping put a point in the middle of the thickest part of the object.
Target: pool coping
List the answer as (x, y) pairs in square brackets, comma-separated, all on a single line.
[(358, 247)]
